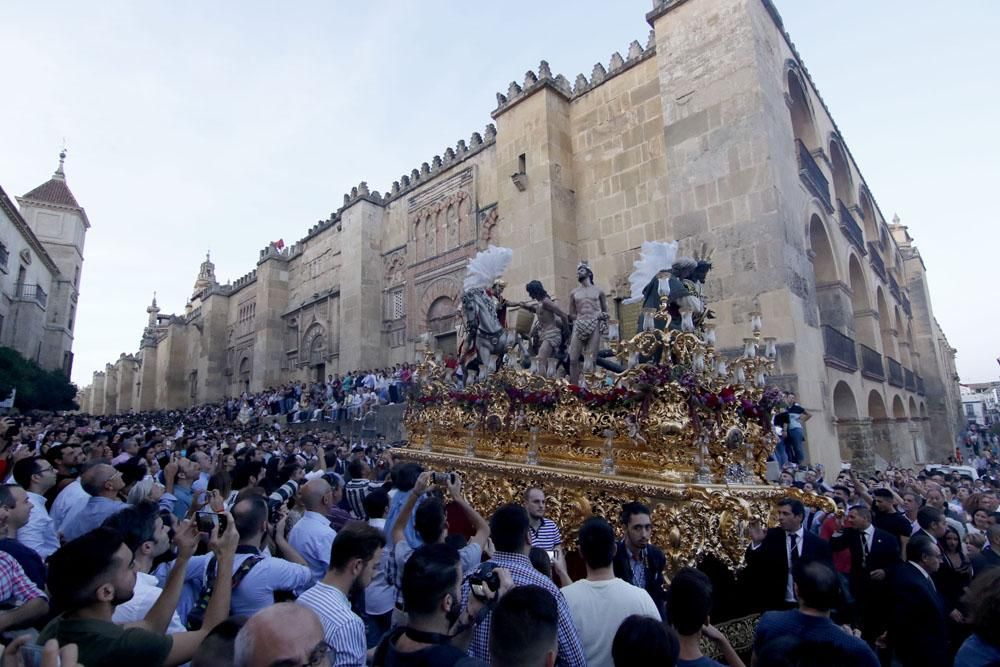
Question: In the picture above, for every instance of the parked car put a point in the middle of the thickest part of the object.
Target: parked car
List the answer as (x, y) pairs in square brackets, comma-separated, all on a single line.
[(963, 471)]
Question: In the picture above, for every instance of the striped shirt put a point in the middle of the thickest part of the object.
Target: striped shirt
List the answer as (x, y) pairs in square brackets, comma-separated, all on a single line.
[(521, 571), (355, 492), (546, 536), (342, 628)]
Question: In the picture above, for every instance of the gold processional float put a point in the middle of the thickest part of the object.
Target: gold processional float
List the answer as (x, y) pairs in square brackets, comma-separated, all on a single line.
[(661, 416)]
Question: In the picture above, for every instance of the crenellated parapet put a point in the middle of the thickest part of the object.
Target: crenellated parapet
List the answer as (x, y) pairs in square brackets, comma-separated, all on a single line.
[(599, 74), (448, 159), (241, 282)]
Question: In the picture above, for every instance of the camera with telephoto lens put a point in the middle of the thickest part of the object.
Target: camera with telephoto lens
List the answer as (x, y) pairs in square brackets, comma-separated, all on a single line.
[(443, 477), (280, 497), (484, 580)]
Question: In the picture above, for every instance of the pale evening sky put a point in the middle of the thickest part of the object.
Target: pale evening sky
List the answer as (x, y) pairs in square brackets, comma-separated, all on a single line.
[(197, 125)]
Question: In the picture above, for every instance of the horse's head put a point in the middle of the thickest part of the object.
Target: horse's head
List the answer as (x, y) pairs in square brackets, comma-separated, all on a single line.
[(478, 307), (470, 309)]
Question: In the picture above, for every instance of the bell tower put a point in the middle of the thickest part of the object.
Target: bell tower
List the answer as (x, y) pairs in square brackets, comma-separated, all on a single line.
[(206, 276), (61, 224)]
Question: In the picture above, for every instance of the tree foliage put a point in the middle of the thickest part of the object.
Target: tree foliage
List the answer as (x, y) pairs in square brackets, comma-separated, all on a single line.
[(37, 388)]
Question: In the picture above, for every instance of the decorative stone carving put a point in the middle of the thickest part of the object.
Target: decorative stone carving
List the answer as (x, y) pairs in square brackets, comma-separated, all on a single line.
[(487, 227), (617, 62), (441, 216), (634, 50), (581, 84), (530, 79), (543, 70), (513, 90)]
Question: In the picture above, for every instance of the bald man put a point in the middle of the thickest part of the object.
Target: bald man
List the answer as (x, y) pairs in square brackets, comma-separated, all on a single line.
[(103, 483), (312, 536), (282, 634)]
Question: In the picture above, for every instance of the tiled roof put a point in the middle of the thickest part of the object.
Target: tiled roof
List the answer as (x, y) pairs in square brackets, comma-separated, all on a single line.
[(54, 191)]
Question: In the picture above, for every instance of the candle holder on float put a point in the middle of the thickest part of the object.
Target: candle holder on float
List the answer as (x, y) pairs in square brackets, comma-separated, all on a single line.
[(532, 458), (608, 462), (470, 442)]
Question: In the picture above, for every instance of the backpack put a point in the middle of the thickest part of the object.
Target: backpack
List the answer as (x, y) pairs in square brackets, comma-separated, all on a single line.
[(197, 614)]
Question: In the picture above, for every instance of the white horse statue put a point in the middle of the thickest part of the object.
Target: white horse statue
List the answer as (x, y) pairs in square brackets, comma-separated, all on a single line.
[(485, 337)]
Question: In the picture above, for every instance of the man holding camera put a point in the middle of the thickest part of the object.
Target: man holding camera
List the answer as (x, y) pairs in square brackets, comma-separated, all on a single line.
[(312, 535), (432, 526), (143, 531), (437, 632), (511, 534), (256, 574)]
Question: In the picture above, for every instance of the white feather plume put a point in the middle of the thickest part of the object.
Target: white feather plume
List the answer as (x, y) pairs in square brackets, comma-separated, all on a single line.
[(655, 256), (486, 267)]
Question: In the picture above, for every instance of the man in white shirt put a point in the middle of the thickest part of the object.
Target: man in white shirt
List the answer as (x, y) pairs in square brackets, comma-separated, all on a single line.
[(431, 523), (147, 537), (380, 595), (599, 603), (36, 476), (312, 536), (205, 471), (355, 553), (262, 575), (68, 504)]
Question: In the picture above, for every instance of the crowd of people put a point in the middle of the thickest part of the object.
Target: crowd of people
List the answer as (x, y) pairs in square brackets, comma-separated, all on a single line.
[(338, 399), (189, 537)]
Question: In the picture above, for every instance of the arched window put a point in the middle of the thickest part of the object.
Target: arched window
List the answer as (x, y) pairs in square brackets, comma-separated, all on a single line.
[(876, 406), (842, 186), (824, 265), (801, 111), (441, 315), (864, 329), (844, 405), (898, 411)]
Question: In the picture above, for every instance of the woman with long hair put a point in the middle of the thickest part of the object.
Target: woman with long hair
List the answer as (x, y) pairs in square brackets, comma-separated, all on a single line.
[(952, 579)]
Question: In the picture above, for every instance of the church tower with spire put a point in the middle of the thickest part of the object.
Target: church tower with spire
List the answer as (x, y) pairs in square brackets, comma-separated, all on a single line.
[(153, 310), (206, 277), (61, 225)]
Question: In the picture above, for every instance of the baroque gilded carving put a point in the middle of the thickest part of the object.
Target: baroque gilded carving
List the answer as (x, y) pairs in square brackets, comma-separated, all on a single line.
[(689, 521)]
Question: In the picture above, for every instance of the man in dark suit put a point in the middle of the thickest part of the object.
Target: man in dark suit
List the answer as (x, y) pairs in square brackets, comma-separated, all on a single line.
[(637, 561), (774, 554), (874, 553), (918, 630), (990, 557)]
